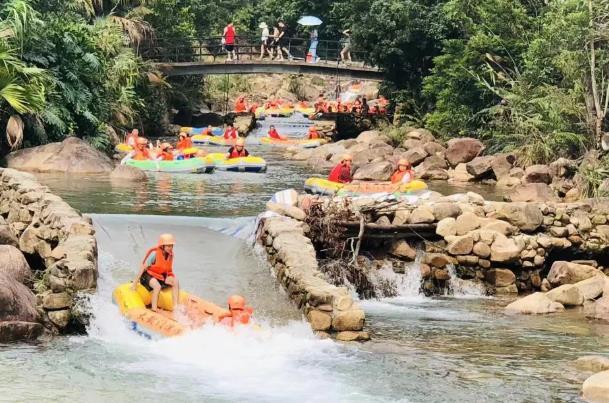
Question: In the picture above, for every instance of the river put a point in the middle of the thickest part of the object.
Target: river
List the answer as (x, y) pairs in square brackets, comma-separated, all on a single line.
[(447, 349)]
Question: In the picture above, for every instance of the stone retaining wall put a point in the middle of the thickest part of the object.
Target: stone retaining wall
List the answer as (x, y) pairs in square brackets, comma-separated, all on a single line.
[(510, 246), (59, 245), (329, 309)]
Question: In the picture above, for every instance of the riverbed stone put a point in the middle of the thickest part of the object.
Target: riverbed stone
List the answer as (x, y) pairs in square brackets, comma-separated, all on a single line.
[(480, 166), (537, 174), (438, 259), (368, 136), (128, 173), (563, 272), (6, 235), (55, 301), (60, 318), (537, 303), (460, 174), (566, 294), (72, 155), (596, 388), (352, 336), (592, 363), (402, 250), (443, 210), (415, 155), (17, 302), (286, 210), (379, 171), (319, 320), (460, 245), (447, 227), (11, 331), (421, 215), (592, 288), (531, 192), (467, 222), (504, 250), (526, 216), (501, 165), (482, 250), (500, 277), (401, 216), (462, 150), (13, 264), (433, 148), (352, 319)]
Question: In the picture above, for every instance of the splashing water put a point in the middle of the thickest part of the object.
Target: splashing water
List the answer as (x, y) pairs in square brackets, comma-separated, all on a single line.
[(460, 288)]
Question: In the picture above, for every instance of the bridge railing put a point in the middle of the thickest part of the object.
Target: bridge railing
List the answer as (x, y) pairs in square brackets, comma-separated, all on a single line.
[(211, 50)]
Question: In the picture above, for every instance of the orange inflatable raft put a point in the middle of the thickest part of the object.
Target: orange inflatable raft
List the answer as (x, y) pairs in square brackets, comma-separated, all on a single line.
[(194, 312)]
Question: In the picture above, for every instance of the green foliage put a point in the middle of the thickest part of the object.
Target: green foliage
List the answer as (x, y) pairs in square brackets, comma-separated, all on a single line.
[(591, 174)]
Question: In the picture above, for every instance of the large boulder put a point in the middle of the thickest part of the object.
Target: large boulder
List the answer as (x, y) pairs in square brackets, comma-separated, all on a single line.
[(596, 388), (563, 272), (128, 174), (480, 166), (72, 155), (462, 150), (566, 294), (504, 249), (433, 167), (531, 192), (376, 171), (502, 164), (563, 168), (460, 174), (500, 277), (460, 245), (13, 264), (17, 302), (401, 249), (598, 309), (525, 216), (244, 123), (593, 287), (409, 144), (433, 148), (537, 174), (6, 235), (368, 136), (443, 210), (537, 303), (415, 155), (421, 134), (16, 330)]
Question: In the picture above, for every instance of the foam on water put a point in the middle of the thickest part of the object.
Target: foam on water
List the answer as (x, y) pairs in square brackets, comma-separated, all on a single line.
[(279, 363)]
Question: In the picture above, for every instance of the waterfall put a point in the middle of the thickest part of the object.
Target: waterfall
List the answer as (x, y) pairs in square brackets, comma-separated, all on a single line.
[(460, 288)]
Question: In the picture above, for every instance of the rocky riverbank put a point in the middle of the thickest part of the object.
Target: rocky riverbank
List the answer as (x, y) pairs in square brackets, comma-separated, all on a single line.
[(48, 259), (330, 310), (459, 161)]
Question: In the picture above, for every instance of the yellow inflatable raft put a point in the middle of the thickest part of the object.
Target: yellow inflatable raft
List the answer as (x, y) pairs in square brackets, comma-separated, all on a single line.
[(242, 164), (132, 305), (123, 148), (325, 187), (304, 143)]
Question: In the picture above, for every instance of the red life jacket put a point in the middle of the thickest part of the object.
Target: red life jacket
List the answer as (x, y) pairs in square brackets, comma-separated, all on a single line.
[(141, 155), (167, 156), (340, 174), (162, 267), (230, 133), (234, 153), (274, 135)]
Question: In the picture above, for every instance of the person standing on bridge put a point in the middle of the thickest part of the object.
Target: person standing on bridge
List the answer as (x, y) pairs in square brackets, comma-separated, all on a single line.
[(265, 42), (281, 42), (345, 54), (228, 37)]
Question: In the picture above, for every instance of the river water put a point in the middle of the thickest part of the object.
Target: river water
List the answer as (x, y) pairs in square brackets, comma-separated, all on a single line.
[(447, 349)]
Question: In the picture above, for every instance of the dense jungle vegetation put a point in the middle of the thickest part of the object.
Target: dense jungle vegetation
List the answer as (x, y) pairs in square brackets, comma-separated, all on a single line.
[(523, 75)]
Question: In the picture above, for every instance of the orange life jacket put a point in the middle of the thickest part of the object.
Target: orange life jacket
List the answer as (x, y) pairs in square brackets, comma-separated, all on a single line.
[(230, 133), (237, 317), (399, 175), (185, 143), (313, 134), (162, 267), (166, 156), (141, 155), (240, 106)]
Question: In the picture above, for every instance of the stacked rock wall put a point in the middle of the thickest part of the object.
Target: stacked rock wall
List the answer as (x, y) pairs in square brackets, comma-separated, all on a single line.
[(58, 242), (329, 309), (510, 246)]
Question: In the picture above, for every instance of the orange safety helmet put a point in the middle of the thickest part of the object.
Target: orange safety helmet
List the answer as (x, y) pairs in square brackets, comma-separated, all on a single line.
[(404, 162), (236, 302), (165, 146), (142, 140), (167, 239)]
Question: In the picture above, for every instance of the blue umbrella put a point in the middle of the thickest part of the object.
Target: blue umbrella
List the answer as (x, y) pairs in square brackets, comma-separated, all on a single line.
[(309, 21)]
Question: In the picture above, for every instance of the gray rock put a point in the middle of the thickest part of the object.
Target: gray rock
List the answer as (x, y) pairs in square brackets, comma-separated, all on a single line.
[(379, 171), (563, 272), (537, 303), (596, 388), (531, 192), (17, 302), (128, 174), (13, 264), (463, 150), (537, 174), (566, 294), (480, 166)]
